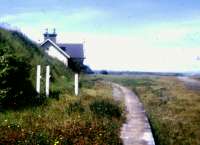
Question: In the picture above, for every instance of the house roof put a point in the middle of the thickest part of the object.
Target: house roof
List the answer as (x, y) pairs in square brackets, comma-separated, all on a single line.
[(56, 46), (74, 50), (70, 50)]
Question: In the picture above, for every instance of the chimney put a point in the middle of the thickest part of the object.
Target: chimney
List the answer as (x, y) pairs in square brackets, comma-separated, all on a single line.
[(51, 36)]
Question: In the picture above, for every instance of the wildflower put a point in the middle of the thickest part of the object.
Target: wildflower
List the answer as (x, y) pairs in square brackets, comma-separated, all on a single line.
[(6, 120), (56, 142)]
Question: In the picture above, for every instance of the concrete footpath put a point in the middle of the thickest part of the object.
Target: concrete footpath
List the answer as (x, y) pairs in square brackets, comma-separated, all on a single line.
[(136, 130)]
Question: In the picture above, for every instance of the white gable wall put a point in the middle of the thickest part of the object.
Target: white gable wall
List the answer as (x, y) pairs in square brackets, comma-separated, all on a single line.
[(53, 52)]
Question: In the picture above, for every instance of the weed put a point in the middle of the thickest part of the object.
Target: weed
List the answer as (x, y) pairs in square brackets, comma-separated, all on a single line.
[(66, 120), (105, 108), (75, 107)]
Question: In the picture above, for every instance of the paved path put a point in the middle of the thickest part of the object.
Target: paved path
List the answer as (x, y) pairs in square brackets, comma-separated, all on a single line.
[(136, 130)]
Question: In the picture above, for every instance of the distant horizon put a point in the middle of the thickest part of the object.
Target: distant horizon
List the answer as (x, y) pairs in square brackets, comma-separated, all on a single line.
[(138, 71), (141, 35)]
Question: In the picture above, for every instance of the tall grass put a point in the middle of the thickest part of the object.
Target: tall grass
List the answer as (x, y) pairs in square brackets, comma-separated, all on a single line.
[(65, 120), (173, 109)]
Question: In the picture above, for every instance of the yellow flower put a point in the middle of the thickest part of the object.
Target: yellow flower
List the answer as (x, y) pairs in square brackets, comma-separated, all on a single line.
[(56, 142)]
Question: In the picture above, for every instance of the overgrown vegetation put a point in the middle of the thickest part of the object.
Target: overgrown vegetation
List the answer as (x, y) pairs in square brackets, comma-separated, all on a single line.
[(77, 66), (67, 120), (105, 108), (18, 59), (173, 109), (14, 77)]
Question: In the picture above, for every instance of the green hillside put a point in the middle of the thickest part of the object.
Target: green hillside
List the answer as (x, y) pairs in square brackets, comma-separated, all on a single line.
[(19, 57)]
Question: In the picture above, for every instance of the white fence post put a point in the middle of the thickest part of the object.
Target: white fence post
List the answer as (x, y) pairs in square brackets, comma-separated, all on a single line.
[(47, 80), (76, 84), (38, 77)]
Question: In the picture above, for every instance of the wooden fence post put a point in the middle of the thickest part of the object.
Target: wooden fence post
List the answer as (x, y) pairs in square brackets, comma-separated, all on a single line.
[(76, 84), (47, 80), (38, 77)]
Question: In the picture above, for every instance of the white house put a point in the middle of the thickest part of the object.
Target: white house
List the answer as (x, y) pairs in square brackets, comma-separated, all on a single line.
[(62, 51)]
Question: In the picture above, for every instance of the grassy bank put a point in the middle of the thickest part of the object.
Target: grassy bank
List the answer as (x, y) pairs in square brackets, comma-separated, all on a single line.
[(91, 118), (172, 108)]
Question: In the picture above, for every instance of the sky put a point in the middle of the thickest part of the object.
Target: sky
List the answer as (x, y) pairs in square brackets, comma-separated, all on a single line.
[(135, 35)]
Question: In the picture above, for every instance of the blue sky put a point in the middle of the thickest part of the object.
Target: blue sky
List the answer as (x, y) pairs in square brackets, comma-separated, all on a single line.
[(144, 35)]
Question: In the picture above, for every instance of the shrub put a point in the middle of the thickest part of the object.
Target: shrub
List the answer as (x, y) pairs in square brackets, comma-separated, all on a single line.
[(14, 76), (75, 107), (104, 72), (76, 65), (105, 108), (40, 137)]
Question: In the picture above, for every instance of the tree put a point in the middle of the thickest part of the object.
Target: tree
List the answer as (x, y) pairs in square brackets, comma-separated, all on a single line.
[(76, 65), (104, 72)]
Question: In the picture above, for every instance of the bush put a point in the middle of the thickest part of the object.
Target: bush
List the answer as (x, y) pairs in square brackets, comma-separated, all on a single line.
[(75, 107), (104, 72), (14, 76), (76, 64), (105, 108)]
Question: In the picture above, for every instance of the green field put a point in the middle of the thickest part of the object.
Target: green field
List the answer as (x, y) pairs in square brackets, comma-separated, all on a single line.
[(172, 108)]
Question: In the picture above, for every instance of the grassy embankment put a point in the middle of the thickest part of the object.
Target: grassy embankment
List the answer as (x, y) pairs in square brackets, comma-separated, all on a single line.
[(92, 118), (172, 108)]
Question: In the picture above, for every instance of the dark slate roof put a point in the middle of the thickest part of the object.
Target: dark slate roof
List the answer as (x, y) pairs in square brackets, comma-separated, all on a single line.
[(74, 50)]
